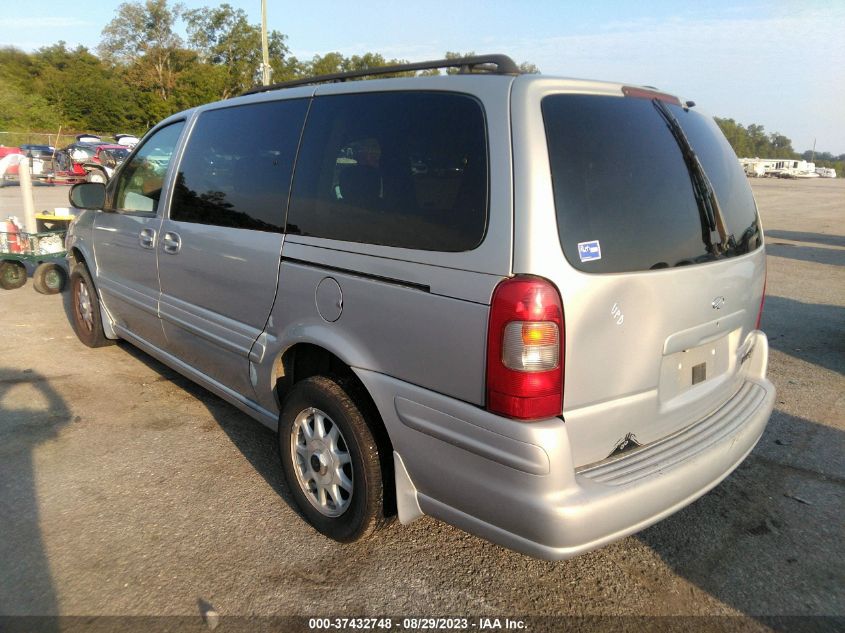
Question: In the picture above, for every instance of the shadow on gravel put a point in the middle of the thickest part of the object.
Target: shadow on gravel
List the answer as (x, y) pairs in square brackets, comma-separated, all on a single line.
[(800, 236), (812, 332), (255, 441), (35, 183), (31, 413), (812, 254), (768, 537)]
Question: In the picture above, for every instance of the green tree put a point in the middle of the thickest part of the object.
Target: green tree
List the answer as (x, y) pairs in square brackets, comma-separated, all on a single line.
[(22, 110), (15, 66), (737, 136), (223, 36), (199, 83), (287, 68), (753, 142), (781, 146), (83, 90), (758, 140), (141, 36), (327, 64)]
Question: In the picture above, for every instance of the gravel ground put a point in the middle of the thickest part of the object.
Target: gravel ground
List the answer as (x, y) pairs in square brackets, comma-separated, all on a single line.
[(127, 490)]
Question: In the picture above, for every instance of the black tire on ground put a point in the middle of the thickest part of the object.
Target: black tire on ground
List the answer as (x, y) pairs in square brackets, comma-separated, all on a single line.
[(49, 278), (364, 505), (85, 308), (12, 275)]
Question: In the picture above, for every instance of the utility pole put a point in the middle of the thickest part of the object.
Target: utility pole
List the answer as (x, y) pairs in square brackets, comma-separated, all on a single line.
[(265, 48), (25, 182)]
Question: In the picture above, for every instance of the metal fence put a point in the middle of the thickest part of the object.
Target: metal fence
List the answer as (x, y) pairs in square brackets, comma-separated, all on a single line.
[(16, 139)]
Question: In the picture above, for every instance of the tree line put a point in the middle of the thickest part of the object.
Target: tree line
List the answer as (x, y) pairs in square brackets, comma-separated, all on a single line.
[(143, 71), (754, 142)]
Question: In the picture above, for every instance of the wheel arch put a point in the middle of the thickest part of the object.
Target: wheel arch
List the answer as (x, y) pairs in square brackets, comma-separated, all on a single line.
[(76, 255), (304, 359)]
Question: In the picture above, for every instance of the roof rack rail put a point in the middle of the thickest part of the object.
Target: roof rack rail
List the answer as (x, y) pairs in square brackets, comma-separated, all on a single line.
[(489, 64)]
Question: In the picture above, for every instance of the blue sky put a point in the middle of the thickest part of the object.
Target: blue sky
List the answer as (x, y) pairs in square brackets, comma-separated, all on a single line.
[(775, 63)]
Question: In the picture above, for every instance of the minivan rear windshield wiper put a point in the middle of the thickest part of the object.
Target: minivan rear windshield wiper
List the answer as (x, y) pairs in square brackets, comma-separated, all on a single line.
[(705, 196)]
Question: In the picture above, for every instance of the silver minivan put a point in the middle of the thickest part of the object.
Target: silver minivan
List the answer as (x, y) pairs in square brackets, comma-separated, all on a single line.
[(527, 306)]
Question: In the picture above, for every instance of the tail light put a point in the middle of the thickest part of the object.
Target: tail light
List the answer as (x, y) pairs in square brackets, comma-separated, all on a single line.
[(525, 349), (762, 301)]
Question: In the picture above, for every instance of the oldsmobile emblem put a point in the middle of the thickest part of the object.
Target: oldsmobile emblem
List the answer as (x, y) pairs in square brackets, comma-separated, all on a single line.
[(718, 302)]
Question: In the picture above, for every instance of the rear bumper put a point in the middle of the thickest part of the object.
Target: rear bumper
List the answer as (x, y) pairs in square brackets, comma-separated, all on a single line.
[(515, 483)]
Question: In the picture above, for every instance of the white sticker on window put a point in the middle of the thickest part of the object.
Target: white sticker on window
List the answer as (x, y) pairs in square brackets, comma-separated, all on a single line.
[(588, 251)]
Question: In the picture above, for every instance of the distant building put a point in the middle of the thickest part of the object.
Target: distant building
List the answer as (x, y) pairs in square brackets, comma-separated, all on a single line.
[(779, 168)]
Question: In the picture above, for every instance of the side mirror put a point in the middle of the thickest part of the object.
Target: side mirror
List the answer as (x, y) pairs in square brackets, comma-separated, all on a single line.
[(88, 195)]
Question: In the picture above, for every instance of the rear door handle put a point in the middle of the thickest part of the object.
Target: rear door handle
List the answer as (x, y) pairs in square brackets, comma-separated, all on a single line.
[(172, 242), (147, 238)]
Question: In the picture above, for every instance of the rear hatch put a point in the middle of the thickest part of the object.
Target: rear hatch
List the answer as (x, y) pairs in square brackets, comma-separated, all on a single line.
[(662, 271)]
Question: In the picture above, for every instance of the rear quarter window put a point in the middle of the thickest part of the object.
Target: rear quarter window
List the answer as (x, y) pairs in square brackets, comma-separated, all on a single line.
[(397, 169)]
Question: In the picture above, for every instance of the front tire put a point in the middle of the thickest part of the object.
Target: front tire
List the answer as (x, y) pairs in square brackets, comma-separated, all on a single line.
[(331, 460), (87, 322)]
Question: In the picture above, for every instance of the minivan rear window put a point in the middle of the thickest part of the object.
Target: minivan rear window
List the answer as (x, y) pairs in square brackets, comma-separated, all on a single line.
[(623, 192), (406, 169)]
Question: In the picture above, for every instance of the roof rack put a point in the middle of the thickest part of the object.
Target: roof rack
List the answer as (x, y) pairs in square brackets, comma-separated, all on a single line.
[(487, 64)]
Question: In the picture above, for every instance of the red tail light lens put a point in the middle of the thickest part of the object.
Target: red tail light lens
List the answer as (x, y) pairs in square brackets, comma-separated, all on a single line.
[(645, 93), (525, 349)]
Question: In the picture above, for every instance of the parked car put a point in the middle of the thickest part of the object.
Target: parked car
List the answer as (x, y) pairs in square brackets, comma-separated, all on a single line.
[(44, 152), (106, 158), (128, 140), (9, 166), (525, 305), (88, 161), (41, 159), (68, 162)]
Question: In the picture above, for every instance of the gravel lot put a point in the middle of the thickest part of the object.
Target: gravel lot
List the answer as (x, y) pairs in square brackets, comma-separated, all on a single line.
[(127, 490)]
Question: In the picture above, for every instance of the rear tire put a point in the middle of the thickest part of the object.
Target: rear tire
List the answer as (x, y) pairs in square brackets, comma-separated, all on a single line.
[(12, 275), (85, 308), (49, 278), (330, 460)]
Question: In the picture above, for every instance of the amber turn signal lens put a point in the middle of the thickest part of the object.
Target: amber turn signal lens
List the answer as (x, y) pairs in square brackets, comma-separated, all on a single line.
[(542, 333)]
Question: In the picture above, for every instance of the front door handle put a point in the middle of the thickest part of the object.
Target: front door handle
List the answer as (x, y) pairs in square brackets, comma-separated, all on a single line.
[(147, 238), (172, 242)]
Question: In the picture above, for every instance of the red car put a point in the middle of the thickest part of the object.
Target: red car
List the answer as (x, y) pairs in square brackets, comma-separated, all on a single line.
[(88, 161), (105, 160), (69, 160), (12, 170)]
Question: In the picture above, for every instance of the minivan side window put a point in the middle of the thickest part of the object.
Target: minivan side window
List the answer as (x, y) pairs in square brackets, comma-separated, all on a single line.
[(406, 169), (139, 184), (236, 168)]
